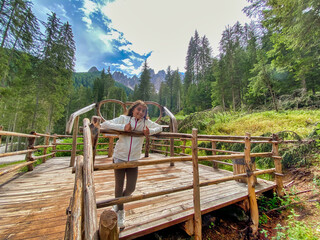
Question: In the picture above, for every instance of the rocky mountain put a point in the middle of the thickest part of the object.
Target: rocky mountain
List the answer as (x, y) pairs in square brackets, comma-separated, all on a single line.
[(156, 79), (130, 82), (93, 69)]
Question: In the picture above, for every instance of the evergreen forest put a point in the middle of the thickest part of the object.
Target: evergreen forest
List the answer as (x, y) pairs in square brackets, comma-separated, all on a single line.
[(271, 63)]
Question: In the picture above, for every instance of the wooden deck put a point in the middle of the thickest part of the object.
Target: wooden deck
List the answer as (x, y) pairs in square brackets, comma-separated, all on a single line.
[(33, 206)]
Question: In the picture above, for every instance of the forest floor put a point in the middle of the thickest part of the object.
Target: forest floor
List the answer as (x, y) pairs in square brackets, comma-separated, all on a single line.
[(299, 214)]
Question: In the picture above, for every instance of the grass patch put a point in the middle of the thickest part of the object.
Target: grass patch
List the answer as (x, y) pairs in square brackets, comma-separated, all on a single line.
[(301, 122), (9, 164)]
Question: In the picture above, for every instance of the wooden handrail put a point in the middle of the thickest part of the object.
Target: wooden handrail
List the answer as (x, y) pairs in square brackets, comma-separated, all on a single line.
[(15, 134), (76, 114)]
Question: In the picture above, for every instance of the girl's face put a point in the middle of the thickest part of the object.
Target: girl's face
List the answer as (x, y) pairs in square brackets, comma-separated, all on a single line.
[(139, 112)]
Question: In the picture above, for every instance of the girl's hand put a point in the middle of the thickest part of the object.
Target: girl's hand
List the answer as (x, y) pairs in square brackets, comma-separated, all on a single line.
[(146, 131), (127, 127)]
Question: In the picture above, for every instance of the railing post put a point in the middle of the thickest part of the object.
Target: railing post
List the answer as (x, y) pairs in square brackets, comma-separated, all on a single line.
[(54, 148), (147, 147), (184, 146), (254, 213), (111, 145), (46, 142), (74, 141), (95, 131), (214, 146), (90, 204), (277, 163), (31, 141), (171, 142), (196, 187)]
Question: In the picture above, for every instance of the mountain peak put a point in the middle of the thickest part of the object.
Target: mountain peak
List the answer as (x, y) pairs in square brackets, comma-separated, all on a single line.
[(93, 69)]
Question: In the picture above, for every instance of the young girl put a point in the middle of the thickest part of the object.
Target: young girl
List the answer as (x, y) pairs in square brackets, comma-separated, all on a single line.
[(129, 148)]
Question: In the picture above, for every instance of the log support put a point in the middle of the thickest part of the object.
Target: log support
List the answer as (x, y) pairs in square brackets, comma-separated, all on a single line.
[(188, 227)]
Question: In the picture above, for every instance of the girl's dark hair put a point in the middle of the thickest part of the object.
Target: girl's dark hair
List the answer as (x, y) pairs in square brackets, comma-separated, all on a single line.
[(136, 104)]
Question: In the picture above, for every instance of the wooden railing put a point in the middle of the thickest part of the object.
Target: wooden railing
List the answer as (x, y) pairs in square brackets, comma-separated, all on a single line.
[(35, 142), (247, 172)]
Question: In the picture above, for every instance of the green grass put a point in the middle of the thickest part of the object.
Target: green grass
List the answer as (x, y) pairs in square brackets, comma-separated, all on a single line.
[(9, 164), (301, 122)]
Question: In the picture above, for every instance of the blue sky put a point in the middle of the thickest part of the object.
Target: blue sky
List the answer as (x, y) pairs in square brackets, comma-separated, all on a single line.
[(123, 34)]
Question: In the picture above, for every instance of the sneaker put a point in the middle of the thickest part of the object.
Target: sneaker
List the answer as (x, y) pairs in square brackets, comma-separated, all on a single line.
[(115, 208), (121, 218)]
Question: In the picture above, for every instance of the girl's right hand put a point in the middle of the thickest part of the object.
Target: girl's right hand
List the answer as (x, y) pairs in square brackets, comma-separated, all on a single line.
[(127, 127)]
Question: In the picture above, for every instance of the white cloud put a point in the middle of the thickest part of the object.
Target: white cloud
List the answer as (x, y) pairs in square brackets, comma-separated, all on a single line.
[(89, 7), (165, 27), (127, 61)]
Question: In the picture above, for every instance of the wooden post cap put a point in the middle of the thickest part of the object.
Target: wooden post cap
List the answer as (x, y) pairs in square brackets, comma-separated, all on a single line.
[(108, 227)]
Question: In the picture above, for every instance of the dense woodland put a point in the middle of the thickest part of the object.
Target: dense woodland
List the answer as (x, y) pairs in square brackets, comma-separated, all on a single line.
[(271, 63)]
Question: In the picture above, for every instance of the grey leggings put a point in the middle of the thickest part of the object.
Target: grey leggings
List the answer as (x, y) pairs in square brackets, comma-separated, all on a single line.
[(119, 174)]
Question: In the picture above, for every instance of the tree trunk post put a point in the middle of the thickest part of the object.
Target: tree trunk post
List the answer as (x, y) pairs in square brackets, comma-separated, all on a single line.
[(95, 131), (54, 142), (31, 141), (108, 227), (254, 213), (214, 146), (46, 142), (277, 163), (196, 187), (74, 141)]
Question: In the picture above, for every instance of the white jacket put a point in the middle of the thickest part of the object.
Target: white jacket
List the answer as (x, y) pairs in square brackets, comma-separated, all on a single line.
[(129, 148)]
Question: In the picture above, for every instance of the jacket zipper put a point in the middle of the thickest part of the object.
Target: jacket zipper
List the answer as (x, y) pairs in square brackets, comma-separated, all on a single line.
[(131, 139)]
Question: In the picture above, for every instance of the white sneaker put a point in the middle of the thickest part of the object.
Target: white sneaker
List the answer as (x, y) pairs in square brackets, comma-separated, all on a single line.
[(121, 218), (115, 208)]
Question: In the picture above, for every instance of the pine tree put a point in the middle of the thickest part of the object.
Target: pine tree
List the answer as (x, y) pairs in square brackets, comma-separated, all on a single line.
[(144, 88), (169, 82)]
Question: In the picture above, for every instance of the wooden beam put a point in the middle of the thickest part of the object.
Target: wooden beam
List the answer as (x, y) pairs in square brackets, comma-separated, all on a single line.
[(14, 134), (16, 167), (17, 153)]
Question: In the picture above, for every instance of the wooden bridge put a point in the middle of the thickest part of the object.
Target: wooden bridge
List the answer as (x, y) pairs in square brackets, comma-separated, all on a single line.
[(172, 188)]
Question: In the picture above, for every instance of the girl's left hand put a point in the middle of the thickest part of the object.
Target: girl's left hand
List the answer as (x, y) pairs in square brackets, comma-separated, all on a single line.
[(146, 131)]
